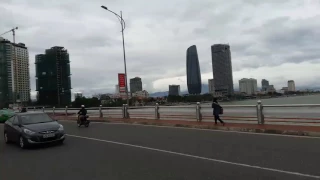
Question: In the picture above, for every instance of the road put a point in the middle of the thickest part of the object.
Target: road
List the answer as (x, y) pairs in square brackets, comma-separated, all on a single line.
[(121, 151)]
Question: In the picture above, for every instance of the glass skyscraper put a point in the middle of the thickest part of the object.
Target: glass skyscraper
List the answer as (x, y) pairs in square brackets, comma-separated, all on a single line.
[(135, 84), (193, 71), (264, 84), (222, 69)]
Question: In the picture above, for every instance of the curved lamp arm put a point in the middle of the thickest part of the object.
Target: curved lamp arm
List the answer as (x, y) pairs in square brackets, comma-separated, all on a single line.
[(122, 22)]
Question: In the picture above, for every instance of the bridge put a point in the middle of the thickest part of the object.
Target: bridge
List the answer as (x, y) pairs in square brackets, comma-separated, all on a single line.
[(288, 114), (113, 149)]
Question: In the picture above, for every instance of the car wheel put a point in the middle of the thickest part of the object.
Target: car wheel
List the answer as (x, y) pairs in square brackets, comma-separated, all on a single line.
[(22, 143), (6, 139)]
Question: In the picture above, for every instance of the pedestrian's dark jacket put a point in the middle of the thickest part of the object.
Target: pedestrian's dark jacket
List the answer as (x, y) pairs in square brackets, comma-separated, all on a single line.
[(216, 108), (82, 111)]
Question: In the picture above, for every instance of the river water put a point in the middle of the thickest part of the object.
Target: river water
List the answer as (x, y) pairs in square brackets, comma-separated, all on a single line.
[(310, 99)]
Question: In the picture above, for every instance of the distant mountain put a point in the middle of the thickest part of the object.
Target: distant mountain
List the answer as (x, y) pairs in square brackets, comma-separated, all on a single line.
[(315, 88)]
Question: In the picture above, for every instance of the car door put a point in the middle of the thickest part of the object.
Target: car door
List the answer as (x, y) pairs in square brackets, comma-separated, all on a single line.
[(8, 127), (16, 129)]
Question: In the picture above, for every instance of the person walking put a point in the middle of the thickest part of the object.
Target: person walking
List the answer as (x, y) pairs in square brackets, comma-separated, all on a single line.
[(217, 110)]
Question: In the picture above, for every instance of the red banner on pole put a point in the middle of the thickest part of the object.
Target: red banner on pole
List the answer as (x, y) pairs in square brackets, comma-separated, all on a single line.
[(122, 82)]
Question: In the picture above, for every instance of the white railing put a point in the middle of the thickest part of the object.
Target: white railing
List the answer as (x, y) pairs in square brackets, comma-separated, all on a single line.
[(294, 114)]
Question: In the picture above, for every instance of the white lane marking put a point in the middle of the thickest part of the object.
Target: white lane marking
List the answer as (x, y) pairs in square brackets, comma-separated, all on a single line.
[(198, 157), (197, 129)]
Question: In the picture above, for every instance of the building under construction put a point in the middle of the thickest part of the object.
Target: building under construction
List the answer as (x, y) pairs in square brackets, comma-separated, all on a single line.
[(53, 77), (14, 73)]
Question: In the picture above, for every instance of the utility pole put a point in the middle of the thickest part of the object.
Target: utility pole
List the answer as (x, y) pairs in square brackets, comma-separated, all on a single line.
[(14, 64)]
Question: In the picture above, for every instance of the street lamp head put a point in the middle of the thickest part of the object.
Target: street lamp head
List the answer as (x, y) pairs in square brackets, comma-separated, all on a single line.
[(104, 7)]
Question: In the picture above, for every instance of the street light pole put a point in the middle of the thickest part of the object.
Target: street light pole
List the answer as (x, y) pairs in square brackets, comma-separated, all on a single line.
[(123, 26)]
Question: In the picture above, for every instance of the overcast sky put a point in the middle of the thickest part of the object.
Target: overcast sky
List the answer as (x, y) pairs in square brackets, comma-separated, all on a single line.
[(273, 39)]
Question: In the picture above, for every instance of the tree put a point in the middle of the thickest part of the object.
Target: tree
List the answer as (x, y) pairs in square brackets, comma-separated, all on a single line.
[(102, 96), (174, 98), (88, 102)]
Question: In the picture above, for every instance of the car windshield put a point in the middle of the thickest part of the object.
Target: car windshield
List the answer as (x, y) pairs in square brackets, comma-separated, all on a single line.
[(34, 119)]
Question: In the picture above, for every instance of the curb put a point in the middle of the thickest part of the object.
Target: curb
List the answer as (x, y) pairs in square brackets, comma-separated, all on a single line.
[(212, 127)]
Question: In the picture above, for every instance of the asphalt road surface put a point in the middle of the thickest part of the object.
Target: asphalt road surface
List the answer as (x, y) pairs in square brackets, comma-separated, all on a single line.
[(120, 151)]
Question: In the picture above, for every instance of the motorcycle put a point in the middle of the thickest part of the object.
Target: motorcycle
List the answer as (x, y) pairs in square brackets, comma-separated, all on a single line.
[(83, 120)]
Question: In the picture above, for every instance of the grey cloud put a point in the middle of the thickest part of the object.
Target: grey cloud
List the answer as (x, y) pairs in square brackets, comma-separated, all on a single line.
[(95, 41), (158, 35), (254, 2), (290, 36)]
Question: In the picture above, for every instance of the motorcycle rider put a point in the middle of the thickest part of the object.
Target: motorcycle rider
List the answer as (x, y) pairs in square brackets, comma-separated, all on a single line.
[(82, 113)]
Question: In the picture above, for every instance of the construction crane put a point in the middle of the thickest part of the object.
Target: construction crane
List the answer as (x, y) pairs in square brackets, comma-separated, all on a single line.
[(13, 30)]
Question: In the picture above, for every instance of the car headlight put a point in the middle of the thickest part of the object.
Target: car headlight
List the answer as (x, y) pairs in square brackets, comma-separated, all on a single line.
[(60, 128), (27, 131)]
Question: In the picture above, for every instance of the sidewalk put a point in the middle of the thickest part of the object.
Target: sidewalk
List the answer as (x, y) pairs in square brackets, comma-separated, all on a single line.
[(273, 129)]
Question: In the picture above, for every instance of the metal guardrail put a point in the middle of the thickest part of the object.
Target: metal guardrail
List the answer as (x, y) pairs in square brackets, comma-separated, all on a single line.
[(199, 113)]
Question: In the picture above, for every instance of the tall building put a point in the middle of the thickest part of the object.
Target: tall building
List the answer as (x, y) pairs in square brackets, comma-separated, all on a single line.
[(135, 84), (22, 74), (222, 69), (271, 88), (264, 85), (6, 61), (211, 86), (193, 71), (248, 86), (14, 73), (291, 86), (78, 95), (117, 88), (284, 90), (53, 77), (174, 90)]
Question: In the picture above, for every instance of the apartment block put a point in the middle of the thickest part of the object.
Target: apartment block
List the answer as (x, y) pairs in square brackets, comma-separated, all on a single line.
[(248, 86), (14, 73), (291, 86), (174, 90)]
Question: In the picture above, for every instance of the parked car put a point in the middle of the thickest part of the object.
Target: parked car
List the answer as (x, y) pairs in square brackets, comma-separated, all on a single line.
[(32, 128), (5, 114)]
